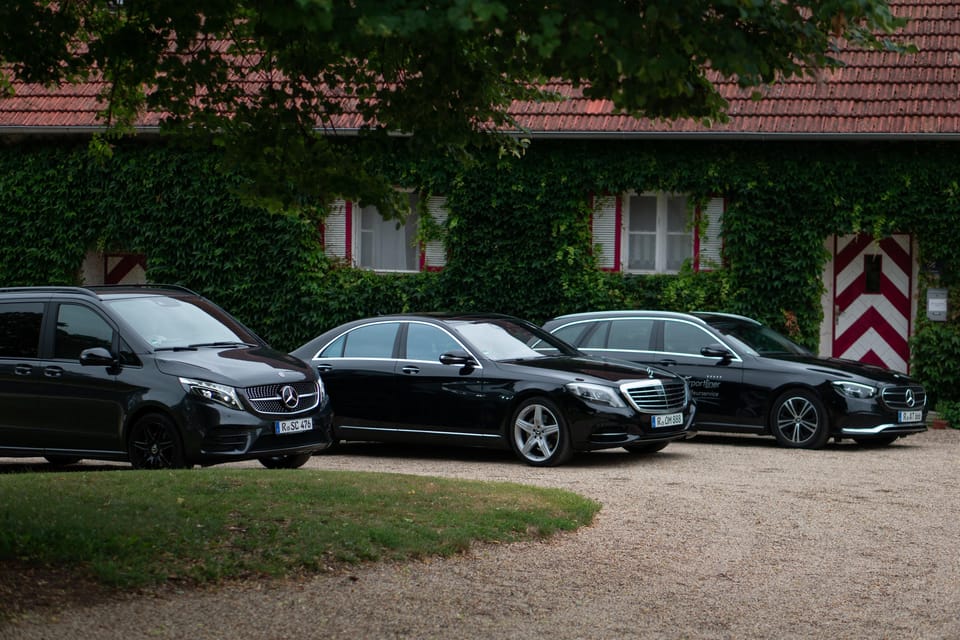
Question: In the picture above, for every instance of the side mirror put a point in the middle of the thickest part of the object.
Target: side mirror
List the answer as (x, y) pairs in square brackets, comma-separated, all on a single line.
[(458, 358), (97, 357), (716, 351)]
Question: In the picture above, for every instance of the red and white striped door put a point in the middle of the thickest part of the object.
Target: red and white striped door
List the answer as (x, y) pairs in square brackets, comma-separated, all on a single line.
[(124, 268), (873, 288)]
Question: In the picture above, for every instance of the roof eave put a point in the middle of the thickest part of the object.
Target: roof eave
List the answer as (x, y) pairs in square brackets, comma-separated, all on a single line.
[(574, 135)]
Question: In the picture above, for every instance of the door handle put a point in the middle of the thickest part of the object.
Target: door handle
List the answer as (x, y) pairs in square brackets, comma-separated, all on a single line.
[(411, 369), (52, 372), (23, 370), (321, 368), (667, 363)]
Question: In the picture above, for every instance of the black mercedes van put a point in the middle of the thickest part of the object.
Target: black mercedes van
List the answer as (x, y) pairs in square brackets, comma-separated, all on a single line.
[(155, 375)]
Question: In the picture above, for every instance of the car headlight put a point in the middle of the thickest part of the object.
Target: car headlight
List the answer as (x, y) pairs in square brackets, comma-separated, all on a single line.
[(212, 391), (854, 389), (596, 393)]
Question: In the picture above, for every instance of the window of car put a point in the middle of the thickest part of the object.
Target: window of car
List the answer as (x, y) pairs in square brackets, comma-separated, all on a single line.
[(573, 334), (683, 337), (369, 341), (20, 324), (427, 342), (166, 322), (760, 339), (79, 328), (631, 333)]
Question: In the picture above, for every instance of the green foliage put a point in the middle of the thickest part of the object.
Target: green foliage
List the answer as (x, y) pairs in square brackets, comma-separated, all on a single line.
[(935, 350), (444, 74), (518, 235), (949, 410)]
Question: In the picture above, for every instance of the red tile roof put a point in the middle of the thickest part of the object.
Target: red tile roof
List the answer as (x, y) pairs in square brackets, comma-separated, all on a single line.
[(875, 94)]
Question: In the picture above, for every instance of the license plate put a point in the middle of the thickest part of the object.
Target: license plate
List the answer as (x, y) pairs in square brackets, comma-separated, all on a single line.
[(293, 426), (910, 416), (670, 420)]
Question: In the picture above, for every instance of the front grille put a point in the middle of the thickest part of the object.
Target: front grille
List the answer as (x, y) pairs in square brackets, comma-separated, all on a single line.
[(268, 398), (656, 396), (899, 397)]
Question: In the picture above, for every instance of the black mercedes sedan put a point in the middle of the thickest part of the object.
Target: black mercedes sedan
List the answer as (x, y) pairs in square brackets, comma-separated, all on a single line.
[(476, 380), (748, 378)]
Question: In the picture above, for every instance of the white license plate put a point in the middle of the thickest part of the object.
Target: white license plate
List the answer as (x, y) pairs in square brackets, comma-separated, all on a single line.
[(670, 420), (910, 416), (293, 426)]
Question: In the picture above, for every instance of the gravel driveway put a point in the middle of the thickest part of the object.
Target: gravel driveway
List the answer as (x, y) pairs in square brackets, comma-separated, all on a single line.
[(717, 537)]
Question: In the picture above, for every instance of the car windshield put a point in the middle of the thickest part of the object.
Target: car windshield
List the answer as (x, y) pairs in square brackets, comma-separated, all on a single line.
[(177, 323), (505, 339), (759, 339)]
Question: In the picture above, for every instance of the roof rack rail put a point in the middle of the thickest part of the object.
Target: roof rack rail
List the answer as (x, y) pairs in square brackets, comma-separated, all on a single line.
[(49, 289), (175, 287)]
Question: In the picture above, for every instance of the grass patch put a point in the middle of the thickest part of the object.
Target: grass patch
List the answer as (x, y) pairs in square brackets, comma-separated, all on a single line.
[(129, 528)]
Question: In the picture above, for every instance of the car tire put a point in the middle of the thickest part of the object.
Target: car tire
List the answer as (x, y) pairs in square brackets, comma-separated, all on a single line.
[(62, 461), (646, 447), (539, 434), (154, 443), (292, 461), (798, 420)]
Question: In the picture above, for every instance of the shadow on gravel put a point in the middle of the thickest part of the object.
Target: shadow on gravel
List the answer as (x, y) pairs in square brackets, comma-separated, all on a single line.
[(14, 465)]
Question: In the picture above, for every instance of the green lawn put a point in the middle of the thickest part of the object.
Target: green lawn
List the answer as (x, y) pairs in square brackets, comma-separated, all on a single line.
[(128, 528)]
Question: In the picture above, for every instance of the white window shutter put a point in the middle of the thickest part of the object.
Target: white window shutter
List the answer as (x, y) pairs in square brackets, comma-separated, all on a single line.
[(606, 234), (711, 244), (435, 251), (335, 230)]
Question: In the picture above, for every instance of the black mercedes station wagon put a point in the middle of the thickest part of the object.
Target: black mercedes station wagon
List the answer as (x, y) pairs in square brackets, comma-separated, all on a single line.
[(476, 380), (157, 376), (748, 378)]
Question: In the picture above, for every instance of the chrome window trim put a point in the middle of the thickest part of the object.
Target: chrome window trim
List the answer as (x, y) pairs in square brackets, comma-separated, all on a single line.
[(736, 356), (317, 355)]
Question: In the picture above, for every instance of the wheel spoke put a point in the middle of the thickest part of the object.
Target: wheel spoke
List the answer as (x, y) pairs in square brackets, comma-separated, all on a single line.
[(798, 420), (537, 433)]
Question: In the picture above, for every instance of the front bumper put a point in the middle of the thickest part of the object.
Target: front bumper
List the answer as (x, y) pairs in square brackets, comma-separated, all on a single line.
[(611, 428), (225, 435)]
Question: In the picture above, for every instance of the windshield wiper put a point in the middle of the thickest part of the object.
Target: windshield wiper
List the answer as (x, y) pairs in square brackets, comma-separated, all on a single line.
[(224, 343)]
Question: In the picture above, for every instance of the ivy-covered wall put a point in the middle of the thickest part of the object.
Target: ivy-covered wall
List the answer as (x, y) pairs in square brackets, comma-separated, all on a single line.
[(518, 235)]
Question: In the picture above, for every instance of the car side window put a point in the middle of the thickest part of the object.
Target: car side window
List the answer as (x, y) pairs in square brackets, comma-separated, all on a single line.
[(572, 333), (79, 328), (426, 342), (20, 329), (631, 333), (682, 337), (371, 341)]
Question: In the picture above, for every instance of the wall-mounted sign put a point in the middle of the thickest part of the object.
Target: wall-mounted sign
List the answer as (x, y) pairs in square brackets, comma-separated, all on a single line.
[(937, 305)]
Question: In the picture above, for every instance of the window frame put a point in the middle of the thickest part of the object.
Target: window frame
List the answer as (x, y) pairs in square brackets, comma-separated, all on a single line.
[(662, 233), (342, 231)]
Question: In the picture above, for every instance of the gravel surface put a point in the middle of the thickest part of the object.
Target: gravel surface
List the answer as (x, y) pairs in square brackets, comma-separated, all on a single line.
[(717, 537)]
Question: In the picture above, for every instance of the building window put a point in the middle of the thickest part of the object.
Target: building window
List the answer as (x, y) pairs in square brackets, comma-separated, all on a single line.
[(654, 233), (363, 238), (389, 245), (658, 238)]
